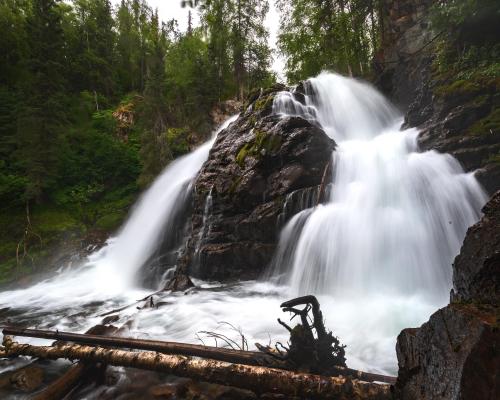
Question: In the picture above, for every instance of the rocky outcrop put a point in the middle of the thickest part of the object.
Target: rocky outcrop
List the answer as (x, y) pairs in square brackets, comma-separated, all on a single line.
[(455, 354), (456, 115), (240, 195), (476, 271), (400, 60)]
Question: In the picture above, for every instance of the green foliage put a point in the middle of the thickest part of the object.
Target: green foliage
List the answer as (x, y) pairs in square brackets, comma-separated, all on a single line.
[(96, 99), (340, 35), (487, 125), (178, 141), (468, 45), (238, 51), (452, 14)]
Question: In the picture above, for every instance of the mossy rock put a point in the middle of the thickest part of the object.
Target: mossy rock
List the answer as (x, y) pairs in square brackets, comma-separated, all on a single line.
[(234, 185), (264, 103), (459, 87), (262, 144), (110, 222), (487, 125), (494, 159)]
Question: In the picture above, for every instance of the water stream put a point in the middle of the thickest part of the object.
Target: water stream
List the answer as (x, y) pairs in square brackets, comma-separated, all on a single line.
[(378, 254)]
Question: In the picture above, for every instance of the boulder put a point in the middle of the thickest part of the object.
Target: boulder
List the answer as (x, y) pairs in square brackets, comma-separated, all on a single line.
[(452, 356), (240, 195), (476, 270)]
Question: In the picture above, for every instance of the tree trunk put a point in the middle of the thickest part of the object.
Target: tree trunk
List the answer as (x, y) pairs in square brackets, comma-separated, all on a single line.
[(186, 349), (215, 353), (66, 383), (257, 379)]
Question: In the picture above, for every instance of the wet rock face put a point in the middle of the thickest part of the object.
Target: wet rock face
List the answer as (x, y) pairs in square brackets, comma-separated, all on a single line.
[(476, 270), (451, 118), (455, 354), (241, 191)]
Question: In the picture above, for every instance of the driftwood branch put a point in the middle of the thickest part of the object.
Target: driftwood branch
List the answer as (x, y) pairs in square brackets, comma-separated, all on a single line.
[(256, 379)]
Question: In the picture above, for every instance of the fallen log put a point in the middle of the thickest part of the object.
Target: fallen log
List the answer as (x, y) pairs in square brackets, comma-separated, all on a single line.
[(257, 379), (215, 353), (67, 382), (185, 349)]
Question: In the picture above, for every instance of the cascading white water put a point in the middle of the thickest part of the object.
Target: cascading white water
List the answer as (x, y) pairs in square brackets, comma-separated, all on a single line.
[(107, 279), (395, 218), (394, 221)]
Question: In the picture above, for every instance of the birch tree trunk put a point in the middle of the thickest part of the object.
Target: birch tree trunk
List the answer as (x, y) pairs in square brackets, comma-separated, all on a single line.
[(254, 378)]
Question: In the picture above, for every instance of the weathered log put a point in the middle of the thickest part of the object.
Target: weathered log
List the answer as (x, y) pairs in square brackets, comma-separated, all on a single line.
[(215, 353), (257, 379), (75, 374), (185, 349)]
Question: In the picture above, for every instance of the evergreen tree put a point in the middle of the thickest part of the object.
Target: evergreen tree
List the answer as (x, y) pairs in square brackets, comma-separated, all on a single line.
[(43, 114), (154, 151), (95, 47), (250, 52), (237, 43)]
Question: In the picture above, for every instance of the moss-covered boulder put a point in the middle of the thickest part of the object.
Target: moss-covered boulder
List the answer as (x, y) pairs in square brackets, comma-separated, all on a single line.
[(240, 193)]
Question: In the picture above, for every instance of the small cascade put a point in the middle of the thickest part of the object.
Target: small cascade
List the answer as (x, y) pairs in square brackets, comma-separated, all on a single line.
[(204, 231), (205, 228), (153, 215), (297, 201)]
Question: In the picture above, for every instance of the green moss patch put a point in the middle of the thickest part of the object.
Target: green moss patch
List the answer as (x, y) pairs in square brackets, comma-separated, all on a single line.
[(263, 143), (263, 102), (178, 141), (487, 125), (460, 87)]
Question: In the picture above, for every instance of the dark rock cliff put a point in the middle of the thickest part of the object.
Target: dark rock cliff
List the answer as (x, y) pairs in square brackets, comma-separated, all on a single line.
[(455, 355), (456, 115), (240, 195)]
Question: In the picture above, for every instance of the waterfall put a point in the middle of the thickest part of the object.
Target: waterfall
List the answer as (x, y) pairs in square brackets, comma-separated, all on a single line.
[(151, 216), (396, 217), (377, 254)]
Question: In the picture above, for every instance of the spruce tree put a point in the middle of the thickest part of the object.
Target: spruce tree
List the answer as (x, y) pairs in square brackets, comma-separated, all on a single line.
[(42, 115), (155, 153)]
